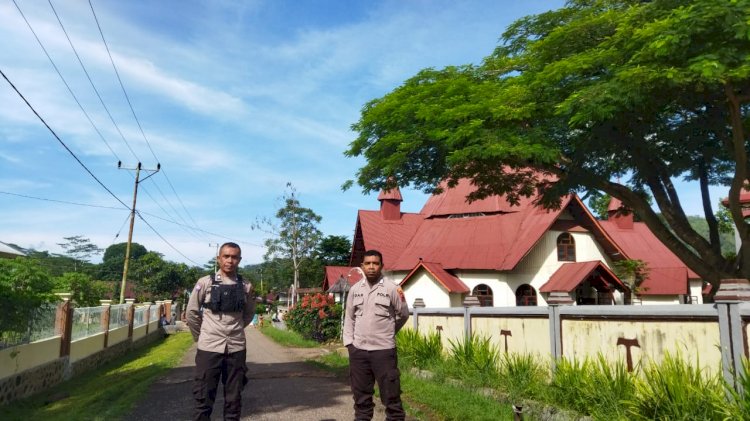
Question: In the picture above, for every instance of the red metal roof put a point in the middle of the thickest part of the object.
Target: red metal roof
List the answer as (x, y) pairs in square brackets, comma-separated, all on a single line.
[(665, 281), (389, 237), (332, 274), (453, 201), (570, 275), (667, 274), (491, 242), (450, 282)]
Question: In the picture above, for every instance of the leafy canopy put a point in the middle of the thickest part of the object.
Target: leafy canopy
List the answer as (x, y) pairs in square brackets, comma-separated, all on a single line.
[(577, 99)]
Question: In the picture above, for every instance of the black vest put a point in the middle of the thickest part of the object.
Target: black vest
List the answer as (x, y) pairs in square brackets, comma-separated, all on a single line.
[(226, 298)]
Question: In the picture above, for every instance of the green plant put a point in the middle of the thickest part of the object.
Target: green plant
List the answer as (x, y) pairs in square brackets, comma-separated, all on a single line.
[(521, 375), (287, 337), (421, 351), (739, 408), (317, 317), (597, 387), (675, 390), (474, 360)]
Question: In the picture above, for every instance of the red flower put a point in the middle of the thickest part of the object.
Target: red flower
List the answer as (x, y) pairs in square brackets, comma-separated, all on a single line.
[(321, 314)]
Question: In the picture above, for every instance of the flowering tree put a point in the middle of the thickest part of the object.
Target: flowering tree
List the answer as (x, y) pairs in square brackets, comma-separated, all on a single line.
[(316, 317)]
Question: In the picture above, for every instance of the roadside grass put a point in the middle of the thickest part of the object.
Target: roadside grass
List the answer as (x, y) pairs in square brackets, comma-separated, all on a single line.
[(332, 362), (287, 337), (438, 400), (107, 392)]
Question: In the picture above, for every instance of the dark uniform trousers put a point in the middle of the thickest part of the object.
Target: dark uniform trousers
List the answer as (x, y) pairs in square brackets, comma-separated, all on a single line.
[(209, 368), (366, 367)]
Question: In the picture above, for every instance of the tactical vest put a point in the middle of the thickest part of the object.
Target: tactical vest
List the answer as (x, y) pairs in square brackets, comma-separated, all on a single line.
[(226, 298)]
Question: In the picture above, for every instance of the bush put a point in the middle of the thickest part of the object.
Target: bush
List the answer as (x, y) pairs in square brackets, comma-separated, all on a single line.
[(317, 317)]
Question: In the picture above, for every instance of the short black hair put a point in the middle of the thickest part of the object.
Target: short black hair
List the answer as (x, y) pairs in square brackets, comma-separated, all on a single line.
[(373, 252), (231, 245)]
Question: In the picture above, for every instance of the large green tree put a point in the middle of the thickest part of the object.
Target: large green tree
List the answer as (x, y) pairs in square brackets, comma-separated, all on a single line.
[(294, 233), (113, 260), (617, 96), (334, 250), (25, 285)]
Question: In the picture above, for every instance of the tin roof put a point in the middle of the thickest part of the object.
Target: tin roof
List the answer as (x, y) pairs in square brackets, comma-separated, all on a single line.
[(568, 276), (667, 275), (332, 274), (448, 281)]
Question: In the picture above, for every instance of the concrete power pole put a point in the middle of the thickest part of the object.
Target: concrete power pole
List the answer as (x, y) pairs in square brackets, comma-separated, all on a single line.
[(132, 222)]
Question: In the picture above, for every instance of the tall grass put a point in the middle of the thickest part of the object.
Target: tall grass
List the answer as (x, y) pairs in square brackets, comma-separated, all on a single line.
[(421, 351), (604, 390), (596, 387), (522, 375), (739, 408), (475, 360), (674, 390)]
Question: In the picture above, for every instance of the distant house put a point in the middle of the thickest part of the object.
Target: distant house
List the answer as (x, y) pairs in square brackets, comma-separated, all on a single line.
[(9, 252), (510, 255)]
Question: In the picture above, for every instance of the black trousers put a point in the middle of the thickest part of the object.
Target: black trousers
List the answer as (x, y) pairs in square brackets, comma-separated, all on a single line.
[(367, 367), (210, 367)]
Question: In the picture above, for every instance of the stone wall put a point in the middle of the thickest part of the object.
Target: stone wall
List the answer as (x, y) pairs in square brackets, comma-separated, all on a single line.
[(40, 378)]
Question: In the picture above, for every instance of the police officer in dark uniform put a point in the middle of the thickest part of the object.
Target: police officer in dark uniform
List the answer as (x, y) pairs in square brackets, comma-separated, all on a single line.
[(375, 311), (220, 308)]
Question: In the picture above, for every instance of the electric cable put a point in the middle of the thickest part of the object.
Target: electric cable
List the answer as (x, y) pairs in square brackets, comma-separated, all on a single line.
[(93, 86), (65, 82), (135, 116), (164, 239), (60, 140)]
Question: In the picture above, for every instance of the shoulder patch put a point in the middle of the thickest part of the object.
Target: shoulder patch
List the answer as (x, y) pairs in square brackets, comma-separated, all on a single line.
[(197, 287), (401, 294)]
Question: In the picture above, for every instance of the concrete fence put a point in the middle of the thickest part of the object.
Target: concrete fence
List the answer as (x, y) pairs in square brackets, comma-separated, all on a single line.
[(84, 338), (713, 337)]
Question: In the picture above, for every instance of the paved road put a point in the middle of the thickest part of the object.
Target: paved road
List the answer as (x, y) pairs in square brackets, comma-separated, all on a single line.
[(281, 387)]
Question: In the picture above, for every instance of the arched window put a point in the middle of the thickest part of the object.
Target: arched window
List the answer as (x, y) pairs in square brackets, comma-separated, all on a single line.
[(484, 294), (525, 295), (566, 248)]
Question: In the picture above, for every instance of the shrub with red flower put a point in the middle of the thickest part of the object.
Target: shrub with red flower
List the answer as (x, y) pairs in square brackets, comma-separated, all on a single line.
[(316, 317)]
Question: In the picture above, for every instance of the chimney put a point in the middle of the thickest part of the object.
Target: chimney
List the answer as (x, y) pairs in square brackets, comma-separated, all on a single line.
[(619, 214), (390, 204)]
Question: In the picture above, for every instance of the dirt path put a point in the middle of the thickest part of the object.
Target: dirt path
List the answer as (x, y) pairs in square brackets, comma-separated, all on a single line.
[(281, 387)]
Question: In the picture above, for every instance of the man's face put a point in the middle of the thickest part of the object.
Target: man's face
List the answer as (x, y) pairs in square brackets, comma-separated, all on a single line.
[(229, 259), (372, 268)]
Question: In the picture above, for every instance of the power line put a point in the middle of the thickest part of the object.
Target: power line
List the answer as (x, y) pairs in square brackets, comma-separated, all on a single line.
[(65, 82), (91, 81), (59, 201), (165, 240), (141, 211), (138, 122), (60, 140)]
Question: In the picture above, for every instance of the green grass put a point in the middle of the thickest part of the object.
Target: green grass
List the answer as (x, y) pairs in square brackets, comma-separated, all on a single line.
[(288, 338), (107, 392), (435, 400), (332, 362)]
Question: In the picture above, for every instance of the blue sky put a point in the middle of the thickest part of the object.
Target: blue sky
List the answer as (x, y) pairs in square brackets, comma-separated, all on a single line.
[(236, 98)]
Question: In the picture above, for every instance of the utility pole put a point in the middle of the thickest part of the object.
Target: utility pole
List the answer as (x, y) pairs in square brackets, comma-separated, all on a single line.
[(132, 222), (216, 256)]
